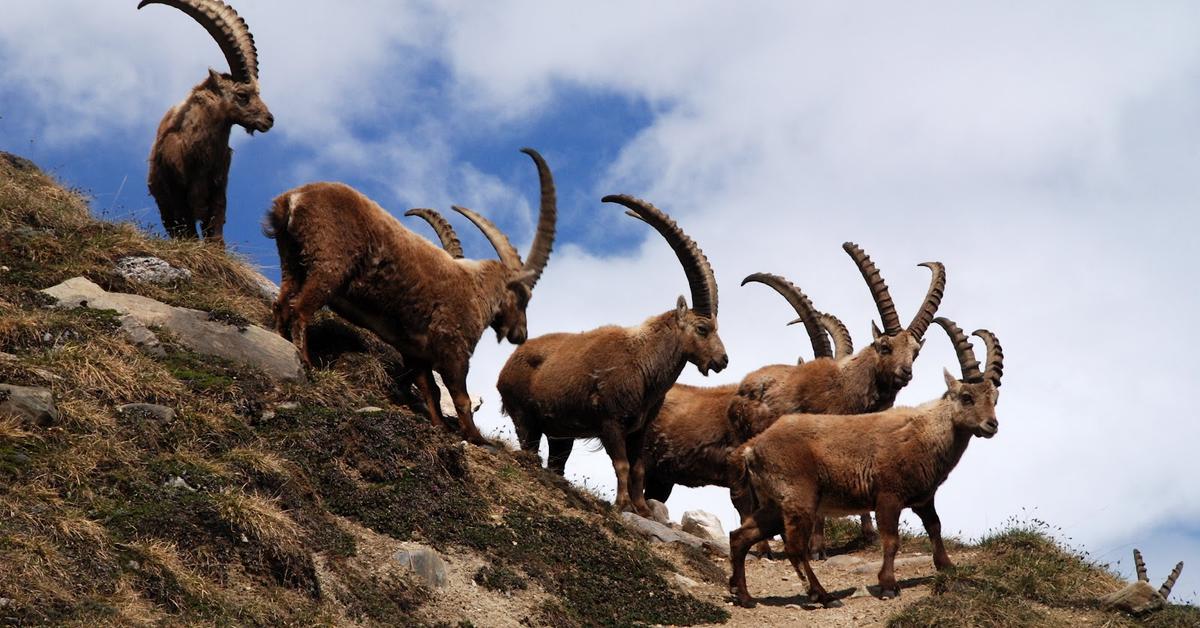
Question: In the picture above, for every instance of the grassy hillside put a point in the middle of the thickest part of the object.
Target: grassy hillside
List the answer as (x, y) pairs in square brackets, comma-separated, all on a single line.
[(260, 503), (242, 511)]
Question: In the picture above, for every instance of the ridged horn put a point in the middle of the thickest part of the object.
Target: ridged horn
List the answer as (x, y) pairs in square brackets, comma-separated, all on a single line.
[(1166, 587), (878, 288), (804, 309), (995, 356), (1140, 565), (543, 240), (962, 347), (843, 345), (699, 273), (508, 254), (227, 28), (933, 298), (443, 229)]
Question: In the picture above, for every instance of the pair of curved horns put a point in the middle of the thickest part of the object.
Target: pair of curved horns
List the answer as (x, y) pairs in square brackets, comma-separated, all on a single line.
[(699, 272), (1167, 585), (883, 298), (543, 240), (227, 28), (994, 370), (804, 309), (843, 344)]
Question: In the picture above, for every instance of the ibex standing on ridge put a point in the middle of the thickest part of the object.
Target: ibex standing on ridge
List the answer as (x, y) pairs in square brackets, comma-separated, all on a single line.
[(807, 466), (338, 247), (696, 429), (189, 162), (609, 382)]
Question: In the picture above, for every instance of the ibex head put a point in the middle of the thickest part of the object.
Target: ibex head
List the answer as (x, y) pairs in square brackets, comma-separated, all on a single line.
[(238, 90), (976, 394), (508, 319), (1141, 597), (697, 325), (897, 346)]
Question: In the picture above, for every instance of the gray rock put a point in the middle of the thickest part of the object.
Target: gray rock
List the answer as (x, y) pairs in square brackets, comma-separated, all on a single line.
[(33, 404), (657, 532), (151, 270), (704, 525), (152, 410), (447, 402), (659, 512), (369, 410), (253, 346), (685, 582), (141, 336), (862, 591), (287, 405), (425, 563), (177, 482), (266, 288)]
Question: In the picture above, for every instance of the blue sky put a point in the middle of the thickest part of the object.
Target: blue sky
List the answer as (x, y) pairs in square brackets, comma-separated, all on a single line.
[(1047, 154)]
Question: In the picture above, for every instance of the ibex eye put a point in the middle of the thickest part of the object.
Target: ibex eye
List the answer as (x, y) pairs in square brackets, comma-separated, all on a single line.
[(702, 330), (968, 400)]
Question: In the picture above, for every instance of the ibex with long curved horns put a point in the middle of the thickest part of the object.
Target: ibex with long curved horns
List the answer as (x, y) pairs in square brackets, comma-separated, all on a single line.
[(189, 162), (696, 429), (338, 247), (807, 466), (609, 382), (1140, 597)]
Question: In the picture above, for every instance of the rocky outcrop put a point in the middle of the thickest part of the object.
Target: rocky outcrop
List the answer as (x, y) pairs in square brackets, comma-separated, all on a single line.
[(250, 345), (659, 533)]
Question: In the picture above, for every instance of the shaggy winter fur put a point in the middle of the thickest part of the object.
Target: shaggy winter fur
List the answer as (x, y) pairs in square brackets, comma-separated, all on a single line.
[(608, 382), (189, 161), (805, 466), (339, 248)]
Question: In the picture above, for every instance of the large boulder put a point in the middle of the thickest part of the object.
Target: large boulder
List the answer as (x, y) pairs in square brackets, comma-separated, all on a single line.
[(425, 563), (250, 345), (704, 525), (30, 404)]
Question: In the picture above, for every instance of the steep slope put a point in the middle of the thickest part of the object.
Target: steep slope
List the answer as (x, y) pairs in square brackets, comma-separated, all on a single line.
[(243, 500)]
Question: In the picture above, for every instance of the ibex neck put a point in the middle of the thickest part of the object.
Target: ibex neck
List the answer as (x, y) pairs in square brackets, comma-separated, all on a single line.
[(946, 441), (659, 353), (860, 380)]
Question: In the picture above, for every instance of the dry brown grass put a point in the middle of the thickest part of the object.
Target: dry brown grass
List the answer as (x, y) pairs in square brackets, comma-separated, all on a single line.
[(261, 520)]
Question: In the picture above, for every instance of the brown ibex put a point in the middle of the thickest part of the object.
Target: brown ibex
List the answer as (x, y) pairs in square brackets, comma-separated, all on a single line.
[(189, 161), (806, 466), (1141, 597), (696, 429), (338, 247), (610, 381)]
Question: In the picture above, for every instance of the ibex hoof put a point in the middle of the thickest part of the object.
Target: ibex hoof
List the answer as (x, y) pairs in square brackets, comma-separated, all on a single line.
[(746, 602)]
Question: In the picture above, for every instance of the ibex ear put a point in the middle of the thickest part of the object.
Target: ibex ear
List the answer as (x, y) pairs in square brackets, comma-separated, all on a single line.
[(214, 76), (875, 333), (951, 381), (523, 277), (681, 308)]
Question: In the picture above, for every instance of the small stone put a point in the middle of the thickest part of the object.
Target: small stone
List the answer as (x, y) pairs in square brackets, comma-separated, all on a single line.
[(794, 607), (287, 405), (425, 563), (861, 592), (152, 410), (685, 581), (177, 482), (267, 415), (369, 410)]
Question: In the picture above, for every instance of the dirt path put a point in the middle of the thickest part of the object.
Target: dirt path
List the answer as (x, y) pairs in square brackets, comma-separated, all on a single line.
[(852, 577)]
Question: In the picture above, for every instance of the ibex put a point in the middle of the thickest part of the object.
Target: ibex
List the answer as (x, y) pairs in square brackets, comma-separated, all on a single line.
[(696, 429), (189, 161), (806, 466), (1140, 597), (610, 381), (338, 247)]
